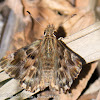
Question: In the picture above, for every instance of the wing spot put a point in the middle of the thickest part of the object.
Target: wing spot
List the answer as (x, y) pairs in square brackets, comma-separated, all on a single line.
[(29, 51)]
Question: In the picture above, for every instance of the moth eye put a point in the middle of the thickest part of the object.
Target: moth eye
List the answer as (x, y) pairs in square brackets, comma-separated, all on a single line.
[(55, 33), (44, 33)]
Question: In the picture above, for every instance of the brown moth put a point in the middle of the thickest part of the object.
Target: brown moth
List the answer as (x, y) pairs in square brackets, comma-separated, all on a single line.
[(44, 63)]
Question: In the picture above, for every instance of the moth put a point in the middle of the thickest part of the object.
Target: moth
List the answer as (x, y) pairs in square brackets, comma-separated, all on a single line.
[(44, 63)]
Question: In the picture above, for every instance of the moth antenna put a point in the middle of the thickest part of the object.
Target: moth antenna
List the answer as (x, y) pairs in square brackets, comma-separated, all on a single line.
[(67, 19), (35, 19), (46, 18)]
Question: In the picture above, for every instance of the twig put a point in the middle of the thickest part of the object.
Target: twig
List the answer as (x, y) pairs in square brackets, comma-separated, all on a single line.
[(82, 33), (98, 97), (9, 30), (86, 42)]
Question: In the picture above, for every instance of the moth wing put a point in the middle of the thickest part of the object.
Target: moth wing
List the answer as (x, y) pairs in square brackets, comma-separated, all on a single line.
[(23, 65), (69, 66)]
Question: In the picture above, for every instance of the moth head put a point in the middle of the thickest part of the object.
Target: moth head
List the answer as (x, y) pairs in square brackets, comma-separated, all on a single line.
[(50, 30)]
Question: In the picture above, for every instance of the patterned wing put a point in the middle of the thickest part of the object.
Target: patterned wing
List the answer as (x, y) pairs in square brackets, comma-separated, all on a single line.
[(69, 66), (23, 65)]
